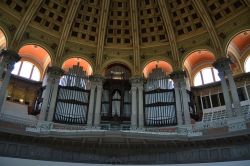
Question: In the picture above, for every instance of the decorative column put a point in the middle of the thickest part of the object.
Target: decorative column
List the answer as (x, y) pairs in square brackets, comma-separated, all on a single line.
[(222, 65), (91, 103), (235, 120), (178, 102), (134, 107), (9, 58), (52, 75), (56, 74), (99, 88), (234, 92), (141, 112), (181, 97)]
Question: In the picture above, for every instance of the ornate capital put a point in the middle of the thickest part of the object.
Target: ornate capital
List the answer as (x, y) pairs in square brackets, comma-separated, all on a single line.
[(97, 78), (55, 72), (136, 81), (10, 57), (178, 75), (222, 64)]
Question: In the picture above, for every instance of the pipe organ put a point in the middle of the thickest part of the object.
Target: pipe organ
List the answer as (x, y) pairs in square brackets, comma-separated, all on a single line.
[(73, 97), (159, 100), (116, 100)]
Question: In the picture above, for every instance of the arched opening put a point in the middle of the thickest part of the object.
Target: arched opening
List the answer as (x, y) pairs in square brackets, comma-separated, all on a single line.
[(237, 47), (117, 71), (73, 92), (3, 40), (86, 67), (164, 66), (33, 63), (195, 62), (159, 100), (27, 74)]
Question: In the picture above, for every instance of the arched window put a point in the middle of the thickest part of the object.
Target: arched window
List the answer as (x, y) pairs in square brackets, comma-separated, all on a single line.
[(205, 76), (27, 70), (247, 64)]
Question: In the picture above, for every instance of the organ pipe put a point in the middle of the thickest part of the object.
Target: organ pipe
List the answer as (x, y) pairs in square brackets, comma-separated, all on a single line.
[(159, 100), (73, 96)]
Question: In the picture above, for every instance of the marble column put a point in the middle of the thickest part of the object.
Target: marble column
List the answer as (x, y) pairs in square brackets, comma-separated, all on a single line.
[(181, 97), (185, 99), (134, 107), (56, 75), (234, 92), (52, 78), (226, 95), (178, 103), (91, 104), (99, 89), (9, 58), (141, 112), (223, 67)]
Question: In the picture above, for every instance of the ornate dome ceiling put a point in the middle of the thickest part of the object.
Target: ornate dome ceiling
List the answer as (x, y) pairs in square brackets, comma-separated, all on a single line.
[(132, 32)]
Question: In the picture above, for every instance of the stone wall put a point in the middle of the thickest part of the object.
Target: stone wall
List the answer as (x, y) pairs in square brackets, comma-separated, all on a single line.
[(51, 149)]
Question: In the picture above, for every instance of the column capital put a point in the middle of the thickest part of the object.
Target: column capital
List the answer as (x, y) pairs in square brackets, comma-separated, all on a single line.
[(97, 78), (178, 75), (136, 81), (55, 72), (10, 56), (222, 64)]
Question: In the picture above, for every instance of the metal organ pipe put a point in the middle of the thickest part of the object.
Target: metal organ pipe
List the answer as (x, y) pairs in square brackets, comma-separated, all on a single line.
[(160, 104), (72, 99)]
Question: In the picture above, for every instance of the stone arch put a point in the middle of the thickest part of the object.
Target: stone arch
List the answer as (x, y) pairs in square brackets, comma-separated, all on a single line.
[(197, 59), (116, 61), (237, 45), (165, 65), (231, 35), (74, 60), (37, 54)]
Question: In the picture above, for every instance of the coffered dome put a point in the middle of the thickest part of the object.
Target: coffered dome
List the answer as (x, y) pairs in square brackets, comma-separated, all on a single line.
[(132, 32)]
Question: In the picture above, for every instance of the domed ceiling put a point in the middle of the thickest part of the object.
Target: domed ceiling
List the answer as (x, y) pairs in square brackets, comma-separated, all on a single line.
[(133, 32)]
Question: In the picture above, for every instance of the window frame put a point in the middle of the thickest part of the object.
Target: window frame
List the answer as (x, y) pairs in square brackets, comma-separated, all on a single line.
[(202, 77), (247, 61), (31, 72)]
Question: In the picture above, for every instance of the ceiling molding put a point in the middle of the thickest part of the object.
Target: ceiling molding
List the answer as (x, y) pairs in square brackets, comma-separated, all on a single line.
[(199, 6), (101, 33), (24, 23), (170, 32), (135, 35), (66, 29)]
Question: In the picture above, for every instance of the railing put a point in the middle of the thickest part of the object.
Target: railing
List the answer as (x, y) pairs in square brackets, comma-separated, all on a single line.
[(55, 129)]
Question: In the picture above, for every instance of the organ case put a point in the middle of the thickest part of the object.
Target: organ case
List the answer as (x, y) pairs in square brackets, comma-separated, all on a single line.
[(73, 97)]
